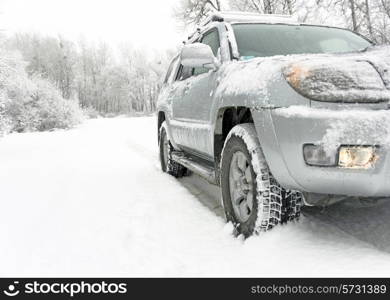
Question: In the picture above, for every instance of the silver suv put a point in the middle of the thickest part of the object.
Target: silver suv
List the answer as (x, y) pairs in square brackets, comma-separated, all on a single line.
[(279, 114)]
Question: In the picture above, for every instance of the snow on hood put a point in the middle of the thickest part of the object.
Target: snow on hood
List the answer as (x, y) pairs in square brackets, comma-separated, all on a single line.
[(338, 80), (255, 75), (380, 58), (248, 77)]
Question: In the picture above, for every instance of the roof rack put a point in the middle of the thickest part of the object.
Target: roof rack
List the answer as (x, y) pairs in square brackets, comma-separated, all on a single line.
[(239, 16)]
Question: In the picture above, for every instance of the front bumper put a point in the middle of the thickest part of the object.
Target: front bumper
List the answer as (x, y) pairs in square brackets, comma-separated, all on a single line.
[(283, 132)]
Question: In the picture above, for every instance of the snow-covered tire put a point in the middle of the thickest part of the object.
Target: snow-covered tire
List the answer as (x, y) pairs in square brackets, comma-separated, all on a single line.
[(167, 164), (259, 203)]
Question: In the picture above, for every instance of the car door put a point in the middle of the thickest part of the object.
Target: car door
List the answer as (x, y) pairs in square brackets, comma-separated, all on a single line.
[(192, 112)]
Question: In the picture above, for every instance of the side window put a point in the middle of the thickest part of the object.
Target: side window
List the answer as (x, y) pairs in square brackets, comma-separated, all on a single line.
[(171, 71), (212, 39), (184, 73)]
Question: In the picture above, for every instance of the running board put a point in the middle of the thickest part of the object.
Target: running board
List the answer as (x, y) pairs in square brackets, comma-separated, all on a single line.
[(207, 172)]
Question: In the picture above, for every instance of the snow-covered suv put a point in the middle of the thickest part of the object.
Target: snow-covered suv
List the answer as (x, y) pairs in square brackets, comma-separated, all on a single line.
[(278, 114)]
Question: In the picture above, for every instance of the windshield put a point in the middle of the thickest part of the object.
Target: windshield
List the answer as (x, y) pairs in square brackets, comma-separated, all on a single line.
[(260, 40)]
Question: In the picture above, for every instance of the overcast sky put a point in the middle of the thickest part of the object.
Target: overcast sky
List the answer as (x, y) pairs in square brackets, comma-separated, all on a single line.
[(142, 22)]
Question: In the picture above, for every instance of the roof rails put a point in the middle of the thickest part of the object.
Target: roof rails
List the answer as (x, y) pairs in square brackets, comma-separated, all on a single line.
[(239, 16)]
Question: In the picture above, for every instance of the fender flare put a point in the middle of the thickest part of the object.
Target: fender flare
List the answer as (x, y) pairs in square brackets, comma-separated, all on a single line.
[(268, 139)]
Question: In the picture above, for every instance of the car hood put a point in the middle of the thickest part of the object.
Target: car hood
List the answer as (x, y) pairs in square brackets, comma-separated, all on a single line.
[(254, 76), (377, 56)]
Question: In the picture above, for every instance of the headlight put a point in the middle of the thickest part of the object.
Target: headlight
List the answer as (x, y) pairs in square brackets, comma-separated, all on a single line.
[(357, 157), (337, 81)]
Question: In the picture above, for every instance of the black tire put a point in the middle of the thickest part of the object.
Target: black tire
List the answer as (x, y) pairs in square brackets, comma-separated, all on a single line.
[(167, 164), (293, 202), (271, 204)]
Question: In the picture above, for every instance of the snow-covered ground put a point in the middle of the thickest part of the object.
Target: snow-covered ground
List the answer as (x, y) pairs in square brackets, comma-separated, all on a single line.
[(92, 201)]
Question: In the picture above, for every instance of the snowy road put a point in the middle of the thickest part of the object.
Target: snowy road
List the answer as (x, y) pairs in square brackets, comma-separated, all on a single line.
[(92, 201)]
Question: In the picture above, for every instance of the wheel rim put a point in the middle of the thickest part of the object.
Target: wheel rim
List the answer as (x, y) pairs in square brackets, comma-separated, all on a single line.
[(165, 150), (241, 186)]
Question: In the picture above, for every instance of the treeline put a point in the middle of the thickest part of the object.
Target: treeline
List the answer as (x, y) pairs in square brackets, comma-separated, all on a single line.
[(104, 81), (370, 18)]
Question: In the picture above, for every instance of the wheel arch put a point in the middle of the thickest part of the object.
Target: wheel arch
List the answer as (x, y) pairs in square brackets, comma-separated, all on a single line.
[(228, 117)]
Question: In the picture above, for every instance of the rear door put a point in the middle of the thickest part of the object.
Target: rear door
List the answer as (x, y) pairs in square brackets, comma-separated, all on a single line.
[(192, 112)]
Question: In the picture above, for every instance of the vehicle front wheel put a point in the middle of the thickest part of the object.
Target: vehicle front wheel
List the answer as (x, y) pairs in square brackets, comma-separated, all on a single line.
[(167, 164), (252, 198)]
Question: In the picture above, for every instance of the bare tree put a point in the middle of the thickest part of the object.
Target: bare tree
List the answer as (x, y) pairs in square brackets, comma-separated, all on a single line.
[(385, 5), (265, 6), (367, 14), (190, 12), (352, 7)]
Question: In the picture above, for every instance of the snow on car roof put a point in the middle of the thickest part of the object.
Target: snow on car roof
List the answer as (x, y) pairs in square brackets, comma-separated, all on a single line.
[(245, 17)]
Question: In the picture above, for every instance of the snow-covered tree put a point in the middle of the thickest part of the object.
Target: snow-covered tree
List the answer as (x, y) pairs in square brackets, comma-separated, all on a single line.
[(101, 81), (265, 6), (29, 104)]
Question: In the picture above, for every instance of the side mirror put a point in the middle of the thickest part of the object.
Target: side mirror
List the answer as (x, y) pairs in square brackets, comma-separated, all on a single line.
[(198, 55)]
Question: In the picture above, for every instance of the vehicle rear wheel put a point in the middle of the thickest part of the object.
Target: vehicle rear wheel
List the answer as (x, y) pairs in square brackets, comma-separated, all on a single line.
[(252, 198), (167, 164)]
